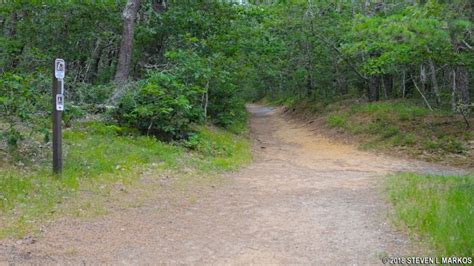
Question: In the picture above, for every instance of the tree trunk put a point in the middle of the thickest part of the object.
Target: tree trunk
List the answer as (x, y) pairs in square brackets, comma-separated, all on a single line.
[(387, 86), (125, 55), (462, 81), (11, 34), (453, 92), (434, 82), (423, 78), (404, 88), (12, 30), (340, 80), (373, 88), (94, 64), (422, 95)]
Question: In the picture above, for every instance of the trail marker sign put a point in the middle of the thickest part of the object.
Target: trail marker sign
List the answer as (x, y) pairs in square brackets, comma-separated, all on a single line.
[(59, 72), (59, 68), (59, 102)]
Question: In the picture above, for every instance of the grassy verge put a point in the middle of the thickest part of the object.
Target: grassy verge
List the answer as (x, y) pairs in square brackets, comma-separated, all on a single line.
[(440, 208), (97, 154), (400, 126)]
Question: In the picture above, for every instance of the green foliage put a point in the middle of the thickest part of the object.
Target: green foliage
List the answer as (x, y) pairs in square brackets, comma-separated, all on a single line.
[(36, 33), (391, 42), (220, 55), (325, 51), (439, 208), (161, 105), (23, 107)]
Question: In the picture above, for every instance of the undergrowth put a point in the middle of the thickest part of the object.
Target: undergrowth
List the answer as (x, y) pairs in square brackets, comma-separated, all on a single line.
[(436, 136)]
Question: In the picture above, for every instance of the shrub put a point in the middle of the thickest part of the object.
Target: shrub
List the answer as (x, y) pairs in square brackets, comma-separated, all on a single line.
[(23, 104), (161, 105)]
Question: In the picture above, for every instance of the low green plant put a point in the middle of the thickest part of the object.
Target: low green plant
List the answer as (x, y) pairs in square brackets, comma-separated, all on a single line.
[(337, 120), (445, 144), (404, 139), (390, 131), (439, 208), (223, 149)]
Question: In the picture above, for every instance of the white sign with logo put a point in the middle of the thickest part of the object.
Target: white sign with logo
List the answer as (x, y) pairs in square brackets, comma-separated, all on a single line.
[(59, 102), (59, 68)]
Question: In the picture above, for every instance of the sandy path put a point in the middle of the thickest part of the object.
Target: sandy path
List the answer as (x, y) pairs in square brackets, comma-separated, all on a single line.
[(304, 200)]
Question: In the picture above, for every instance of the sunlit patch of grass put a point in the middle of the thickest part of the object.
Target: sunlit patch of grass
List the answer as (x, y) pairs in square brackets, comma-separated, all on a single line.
[(96, 154), (440, 208), (220, 150)]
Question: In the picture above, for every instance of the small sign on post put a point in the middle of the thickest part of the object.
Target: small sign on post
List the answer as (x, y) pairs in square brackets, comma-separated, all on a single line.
[(59, 68), (59, 102), (59, 71)]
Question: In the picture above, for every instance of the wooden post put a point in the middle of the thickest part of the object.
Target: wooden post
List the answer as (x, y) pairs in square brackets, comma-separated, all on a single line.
[(58, 106)]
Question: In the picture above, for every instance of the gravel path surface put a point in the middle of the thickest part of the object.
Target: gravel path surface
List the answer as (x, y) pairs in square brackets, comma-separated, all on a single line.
[(304, 200)]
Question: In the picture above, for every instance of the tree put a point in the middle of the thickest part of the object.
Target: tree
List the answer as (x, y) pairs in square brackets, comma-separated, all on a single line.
[(126, 47)]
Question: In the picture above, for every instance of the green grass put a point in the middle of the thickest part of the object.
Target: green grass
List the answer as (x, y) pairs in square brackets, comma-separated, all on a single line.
[(401, 111), (438, 208), (98, 154), (383, 120), (337, 120), (219, 149), (403, 125)]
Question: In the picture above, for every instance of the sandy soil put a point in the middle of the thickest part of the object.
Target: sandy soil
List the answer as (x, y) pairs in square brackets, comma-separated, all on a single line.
[(305, 200)]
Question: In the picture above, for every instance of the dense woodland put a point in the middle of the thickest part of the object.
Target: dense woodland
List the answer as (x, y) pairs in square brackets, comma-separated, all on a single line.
[(162, 67)]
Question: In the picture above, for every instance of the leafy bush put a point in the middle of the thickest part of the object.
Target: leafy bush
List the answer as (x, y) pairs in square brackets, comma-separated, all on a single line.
[(166, 104), (161, 105), (23, 104)]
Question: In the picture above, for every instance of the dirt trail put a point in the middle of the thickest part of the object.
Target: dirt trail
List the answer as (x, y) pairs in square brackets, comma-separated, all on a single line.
[(305, 200)]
